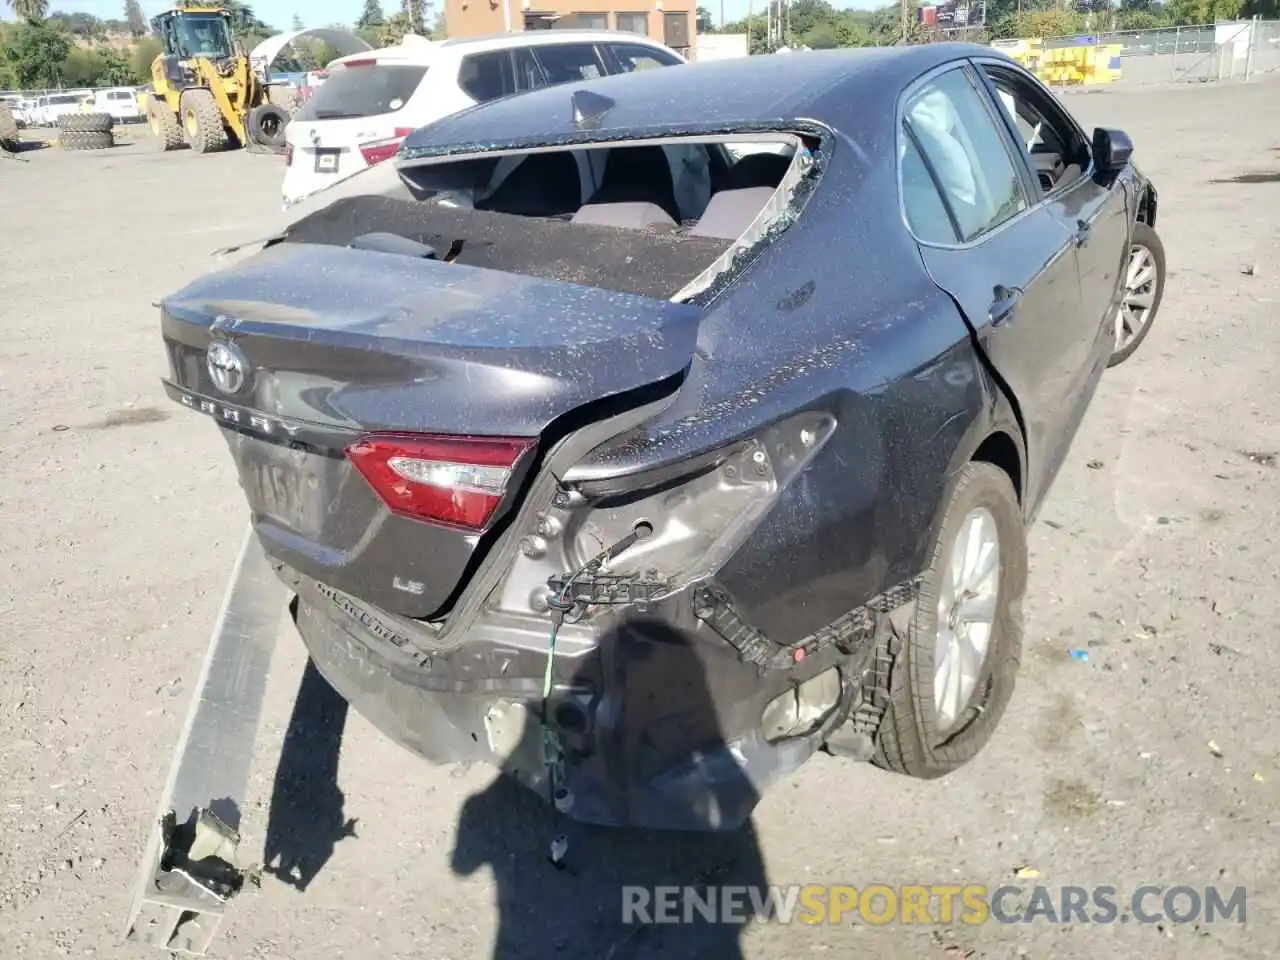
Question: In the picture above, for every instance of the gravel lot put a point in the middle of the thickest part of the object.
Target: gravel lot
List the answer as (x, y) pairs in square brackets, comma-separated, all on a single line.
[(121, 516)]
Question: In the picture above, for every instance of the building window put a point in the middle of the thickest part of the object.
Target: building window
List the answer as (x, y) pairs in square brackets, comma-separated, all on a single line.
[(591, 21), (634, 23)]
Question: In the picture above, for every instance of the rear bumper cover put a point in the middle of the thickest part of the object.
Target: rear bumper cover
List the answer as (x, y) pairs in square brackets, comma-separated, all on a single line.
[(661, 723)]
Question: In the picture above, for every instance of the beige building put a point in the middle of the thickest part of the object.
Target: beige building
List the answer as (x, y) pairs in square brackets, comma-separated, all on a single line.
[(668, 21)]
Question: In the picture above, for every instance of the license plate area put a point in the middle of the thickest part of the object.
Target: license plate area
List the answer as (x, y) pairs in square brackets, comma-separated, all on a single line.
[(327, 159), (287, 486)]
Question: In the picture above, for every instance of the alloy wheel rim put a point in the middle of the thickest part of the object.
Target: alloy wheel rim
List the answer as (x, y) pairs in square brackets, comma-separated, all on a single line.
[(967, 599), (1138, 296)]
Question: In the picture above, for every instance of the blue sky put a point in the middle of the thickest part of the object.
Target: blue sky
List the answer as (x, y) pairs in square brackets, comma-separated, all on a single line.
[(279, 13)]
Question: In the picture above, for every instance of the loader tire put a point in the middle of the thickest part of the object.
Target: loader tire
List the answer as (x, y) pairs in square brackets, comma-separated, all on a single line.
[(266, 125), (85, 123), (202, 122), (86, 140), (166, 131), (8, 129)]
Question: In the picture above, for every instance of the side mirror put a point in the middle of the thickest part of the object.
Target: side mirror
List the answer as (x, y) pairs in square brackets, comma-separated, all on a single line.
[(1112, 150)]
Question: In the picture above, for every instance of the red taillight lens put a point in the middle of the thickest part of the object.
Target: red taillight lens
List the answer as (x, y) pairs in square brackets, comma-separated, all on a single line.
[(376, 151), (454, 481)]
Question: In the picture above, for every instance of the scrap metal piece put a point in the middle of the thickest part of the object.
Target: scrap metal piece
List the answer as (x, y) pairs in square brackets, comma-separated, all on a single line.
[(191, 866)]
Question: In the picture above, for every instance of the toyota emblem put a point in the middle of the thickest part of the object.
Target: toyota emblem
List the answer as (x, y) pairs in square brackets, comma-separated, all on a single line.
[(228, 367)]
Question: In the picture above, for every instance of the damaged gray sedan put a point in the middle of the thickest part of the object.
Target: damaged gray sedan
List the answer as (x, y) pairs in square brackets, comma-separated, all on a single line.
[(644, 436)]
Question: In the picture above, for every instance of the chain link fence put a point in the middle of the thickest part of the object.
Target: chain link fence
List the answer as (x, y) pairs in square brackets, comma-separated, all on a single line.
[(1238, 50)]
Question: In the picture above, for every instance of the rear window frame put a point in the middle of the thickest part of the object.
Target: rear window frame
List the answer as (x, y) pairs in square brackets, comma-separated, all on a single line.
[(308, 111)]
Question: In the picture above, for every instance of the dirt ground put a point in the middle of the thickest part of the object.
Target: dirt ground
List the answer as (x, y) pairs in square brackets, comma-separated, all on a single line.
[(120, 518)]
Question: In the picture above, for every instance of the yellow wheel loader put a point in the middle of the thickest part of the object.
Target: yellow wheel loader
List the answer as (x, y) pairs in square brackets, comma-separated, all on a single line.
[(207, 94)]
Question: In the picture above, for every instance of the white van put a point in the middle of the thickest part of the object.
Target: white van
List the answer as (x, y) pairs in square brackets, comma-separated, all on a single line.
[(53, 106), (120, 102)]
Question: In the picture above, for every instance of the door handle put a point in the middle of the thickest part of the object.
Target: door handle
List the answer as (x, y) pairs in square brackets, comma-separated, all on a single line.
[(1083, 232), (1003, 306)]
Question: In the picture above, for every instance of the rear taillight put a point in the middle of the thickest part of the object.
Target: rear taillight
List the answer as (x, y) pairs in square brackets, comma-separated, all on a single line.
[(455, 481), (376, 151)]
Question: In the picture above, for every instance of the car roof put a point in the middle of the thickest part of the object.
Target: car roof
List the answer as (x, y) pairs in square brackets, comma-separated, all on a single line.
[(827, 86), (424, 52), (537, 38)]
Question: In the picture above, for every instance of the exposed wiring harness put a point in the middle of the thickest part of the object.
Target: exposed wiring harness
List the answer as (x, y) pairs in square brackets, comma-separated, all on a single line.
[(561, 603)]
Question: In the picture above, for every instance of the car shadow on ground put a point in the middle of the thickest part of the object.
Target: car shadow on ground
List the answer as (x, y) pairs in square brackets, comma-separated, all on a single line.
[(306, 818), (605, 898)]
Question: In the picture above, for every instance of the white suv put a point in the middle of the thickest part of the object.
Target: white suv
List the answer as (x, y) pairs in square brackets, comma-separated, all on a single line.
[(372, 101), (120, 102)]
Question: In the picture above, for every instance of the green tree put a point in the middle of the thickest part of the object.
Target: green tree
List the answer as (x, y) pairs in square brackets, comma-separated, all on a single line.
[(1138, 20), (140, 60), (704, 21), (324, 54), (30, 10), (36, 54), (33, 11), (135, 18), (1196, 12), (372, 16), (297, 22), (103, 67), (416, 12)]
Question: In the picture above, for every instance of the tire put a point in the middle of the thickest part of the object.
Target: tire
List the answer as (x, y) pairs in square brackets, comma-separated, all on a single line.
[(910, 740), (1144, 237), (266, 124), (9, 135), (202, 122), (85, 123), (166, 131), (86, 140)]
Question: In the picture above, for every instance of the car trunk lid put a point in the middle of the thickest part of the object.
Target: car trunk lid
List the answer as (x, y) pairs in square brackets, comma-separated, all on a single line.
[(446, 380)]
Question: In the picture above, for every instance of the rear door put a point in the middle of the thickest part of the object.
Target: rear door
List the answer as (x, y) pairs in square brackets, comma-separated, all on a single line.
[(352, 121), (630, 57), (492, 74), (1006, 260), (570, 62)]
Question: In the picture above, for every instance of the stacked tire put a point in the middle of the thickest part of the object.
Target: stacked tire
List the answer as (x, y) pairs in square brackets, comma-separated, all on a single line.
[(86, 131), (8, 130)]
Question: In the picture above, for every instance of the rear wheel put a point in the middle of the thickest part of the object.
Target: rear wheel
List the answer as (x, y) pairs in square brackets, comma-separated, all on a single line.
[(1142, 289), (86, 140), (955, 671), (202, 122), (166, 131)]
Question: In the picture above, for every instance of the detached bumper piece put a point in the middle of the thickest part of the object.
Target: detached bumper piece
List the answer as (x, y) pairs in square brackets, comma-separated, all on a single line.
[(192, 866)]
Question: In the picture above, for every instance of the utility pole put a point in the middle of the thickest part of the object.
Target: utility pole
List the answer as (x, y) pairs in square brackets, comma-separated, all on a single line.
[(904, 22)]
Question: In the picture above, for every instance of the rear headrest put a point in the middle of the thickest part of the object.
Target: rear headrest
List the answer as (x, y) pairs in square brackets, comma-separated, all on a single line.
[(730, 212), (758, 170), (638, 175), (634, 216), (543, 185)]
